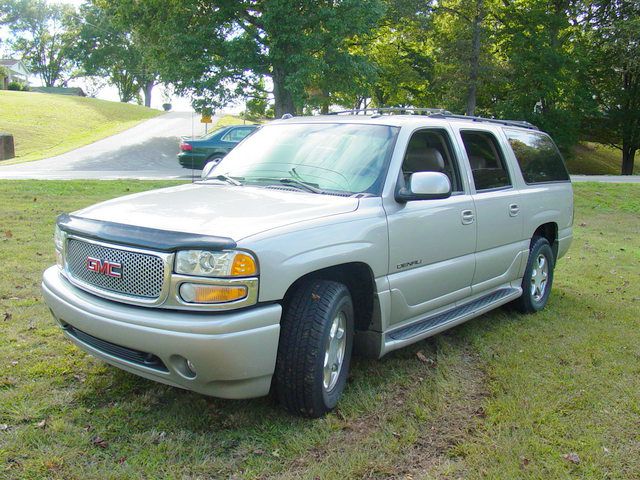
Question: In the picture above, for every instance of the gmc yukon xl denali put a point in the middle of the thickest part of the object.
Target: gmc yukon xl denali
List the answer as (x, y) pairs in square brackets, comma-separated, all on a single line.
[(315, 237)]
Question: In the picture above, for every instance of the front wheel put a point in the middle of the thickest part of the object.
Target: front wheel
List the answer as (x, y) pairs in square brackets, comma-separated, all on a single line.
[(314, 353), (538, 277)]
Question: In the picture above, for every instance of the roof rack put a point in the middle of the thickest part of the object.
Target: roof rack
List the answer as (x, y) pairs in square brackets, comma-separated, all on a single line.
[(434, 112), (399, 110)]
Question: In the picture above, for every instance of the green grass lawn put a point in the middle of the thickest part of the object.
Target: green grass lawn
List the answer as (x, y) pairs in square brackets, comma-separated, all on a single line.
[(45, 125), (504, 396), (596, 159)]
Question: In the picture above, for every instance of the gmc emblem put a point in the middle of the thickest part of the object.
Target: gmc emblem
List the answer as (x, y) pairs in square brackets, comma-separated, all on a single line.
[(105, 267)]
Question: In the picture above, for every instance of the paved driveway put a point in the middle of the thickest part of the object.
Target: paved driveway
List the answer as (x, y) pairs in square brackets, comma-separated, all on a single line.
[(146, 151)]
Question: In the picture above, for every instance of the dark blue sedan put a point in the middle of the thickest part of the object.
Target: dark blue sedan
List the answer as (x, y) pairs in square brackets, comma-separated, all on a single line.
[(196, 153)]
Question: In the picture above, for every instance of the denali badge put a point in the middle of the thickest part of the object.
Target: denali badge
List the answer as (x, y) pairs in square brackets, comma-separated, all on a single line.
[(105, 267)]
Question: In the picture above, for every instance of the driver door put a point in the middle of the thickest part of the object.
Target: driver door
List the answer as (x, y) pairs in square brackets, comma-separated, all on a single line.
[(431, 242)]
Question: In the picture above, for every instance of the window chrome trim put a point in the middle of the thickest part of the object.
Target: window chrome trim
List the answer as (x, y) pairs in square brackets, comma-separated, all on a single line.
[(167, 261)]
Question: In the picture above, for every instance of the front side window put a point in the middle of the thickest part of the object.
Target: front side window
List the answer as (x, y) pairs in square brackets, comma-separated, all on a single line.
[(538, 157), (333, 157), (486, 160), (430, 151)]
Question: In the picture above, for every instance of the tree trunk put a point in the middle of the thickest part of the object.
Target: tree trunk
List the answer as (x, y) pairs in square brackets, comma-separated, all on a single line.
[(474, 61), (148, 88), (628, 158), (282, 97)]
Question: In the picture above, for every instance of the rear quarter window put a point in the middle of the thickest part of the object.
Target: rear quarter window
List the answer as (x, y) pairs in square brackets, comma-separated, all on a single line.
[(538, 157)]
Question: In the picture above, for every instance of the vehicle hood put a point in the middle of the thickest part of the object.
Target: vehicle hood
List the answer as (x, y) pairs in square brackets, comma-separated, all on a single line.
[(218, 210)]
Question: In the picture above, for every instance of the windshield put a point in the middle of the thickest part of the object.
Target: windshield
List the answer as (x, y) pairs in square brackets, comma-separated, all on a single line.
[(324, 158)]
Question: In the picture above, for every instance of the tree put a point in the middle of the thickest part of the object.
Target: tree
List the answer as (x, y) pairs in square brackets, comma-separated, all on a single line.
[(104, 48), (42, 36), (614, 36), (217, 51)]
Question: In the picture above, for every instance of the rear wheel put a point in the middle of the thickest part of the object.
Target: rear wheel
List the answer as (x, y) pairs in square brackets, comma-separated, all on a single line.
[(538, 277), (314, 353)]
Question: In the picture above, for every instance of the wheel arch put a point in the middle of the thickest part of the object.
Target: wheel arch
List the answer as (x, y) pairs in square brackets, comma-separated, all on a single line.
[(549, 231), (358, 278)]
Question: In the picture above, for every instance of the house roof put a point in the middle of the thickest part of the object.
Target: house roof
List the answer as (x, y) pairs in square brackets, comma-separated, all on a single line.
[(8, 62)]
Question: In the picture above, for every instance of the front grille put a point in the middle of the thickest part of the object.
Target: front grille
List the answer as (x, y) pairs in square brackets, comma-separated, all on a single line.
[(134, 356), (142, 275)]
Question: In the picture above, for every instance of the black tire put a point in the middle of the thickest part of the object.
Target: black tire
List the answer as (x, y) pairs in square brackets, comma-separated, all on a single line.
[(532, 301), (304, 331)]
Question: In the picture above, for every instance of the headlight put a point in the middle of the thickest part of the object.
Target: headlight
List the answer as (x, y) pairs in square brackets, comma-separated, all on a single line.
[(216, 264)]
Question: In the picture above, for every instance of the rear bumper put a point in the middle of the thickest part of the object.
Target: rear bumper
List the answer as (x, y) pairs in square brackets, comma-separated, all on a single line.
[(565, 237), (191, 160), (233, 354)]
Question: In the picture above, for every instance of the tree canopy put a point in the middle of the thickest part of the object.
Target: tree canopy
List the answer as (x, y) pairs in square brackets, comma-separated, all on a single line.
[(569, 66)]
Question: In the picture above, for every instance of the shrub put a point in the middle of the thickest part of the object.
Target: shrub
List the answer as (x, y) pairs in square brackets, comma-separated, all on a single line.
[(18, 86)]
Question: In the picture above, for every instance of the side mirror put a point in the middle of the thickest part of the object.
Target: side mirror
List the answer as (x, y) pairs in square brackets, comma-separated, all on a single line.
[(207, 168), (425, 186)]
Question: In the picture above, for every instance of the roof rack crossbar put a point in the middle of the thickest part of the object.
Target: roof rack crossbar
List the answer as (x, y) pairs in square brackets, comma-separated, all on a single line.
[(433, 112), (402, 110)]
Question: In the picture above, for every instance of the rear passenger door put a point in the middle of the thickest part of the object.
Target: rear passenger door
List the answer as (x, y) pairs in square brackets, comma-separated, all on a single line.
[(497, 205), (431, 242)]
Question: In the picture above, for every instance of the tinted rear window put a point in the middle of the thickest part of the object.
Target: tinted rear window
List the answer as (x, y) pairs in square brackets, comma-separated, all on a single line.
[(538, 157)]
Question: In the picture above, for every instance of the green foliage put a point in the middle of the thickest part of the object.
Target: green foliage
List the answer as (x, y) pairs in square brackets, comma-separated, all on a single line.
[(42, 36), (105, 48), (17, 86)]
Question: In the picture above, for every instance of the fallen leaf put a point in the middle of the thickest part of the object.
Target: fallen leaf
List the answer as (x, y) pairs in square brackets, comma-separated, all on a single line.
[(42, 423), (99, 442), (524, 461), (572, 457), (121, 460), (8, 233), (258, 451), (424, 359), (315, 297), (582, 224)]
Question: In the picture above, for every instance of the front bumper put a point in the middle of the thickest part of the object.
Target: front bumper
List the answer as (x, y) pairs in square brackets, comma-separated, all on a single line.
[(233, 354)]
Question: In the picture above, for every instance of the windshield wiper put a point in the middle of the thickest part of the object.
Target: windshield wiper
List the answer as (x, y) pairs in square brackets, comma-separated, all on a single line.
[(298, 183), (225, 178)]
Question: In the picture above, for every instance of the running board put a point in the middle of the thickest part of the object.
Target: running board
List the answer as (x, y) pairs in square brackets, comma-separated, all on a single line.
[(447, 319)]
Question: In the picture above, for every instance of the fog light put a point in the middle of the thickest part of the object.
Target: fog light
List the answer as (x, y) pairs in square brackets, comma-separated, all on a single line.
[(198, 293)]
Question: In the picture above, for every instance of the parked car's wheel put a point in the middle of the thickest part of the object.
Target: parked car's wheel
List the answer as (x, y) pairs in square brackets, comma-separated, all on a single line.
[(538, 277), (314, 353)]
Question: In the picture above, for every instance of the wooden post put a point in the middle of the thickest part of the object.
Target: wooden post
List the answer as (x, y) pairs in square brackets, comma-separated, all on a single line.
[(7, 149)]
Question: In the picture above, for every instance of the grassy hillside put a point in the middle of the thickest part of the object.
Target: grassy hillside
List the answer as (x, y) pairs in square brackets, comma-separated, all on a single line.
[(596, 159), (45, 125)]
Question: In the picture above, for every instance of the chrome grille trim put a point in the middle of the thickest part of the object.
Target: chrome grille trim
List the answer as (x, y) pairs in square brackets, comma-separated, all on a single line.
[(129, 289)]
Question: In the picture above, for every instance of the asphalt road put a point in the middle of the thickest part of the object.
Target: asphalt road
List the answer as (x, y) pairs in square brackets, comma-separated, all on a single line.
[(146, 151)]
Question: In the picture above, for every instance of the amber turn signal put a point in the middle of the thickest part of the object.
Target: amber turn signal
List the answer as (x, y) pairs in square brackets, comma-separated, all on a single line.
[(199, 293)]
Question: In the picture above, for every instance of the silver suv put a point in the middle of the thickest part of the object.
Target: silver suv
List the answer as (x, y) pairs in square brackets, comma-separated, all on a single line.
[(314, 237)]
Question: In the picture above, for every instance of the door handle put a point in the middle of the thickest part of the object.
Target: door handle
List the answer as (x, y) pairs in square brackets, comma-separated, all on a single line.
[(514, 209), (467, 217)]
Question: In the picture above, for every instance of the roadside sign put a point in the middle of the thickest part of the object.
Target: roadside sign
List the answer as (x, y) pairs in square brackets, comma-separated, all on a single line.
[(205, 119)]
